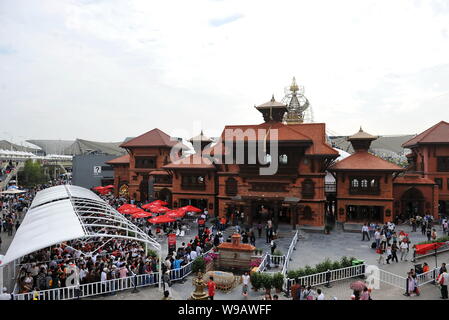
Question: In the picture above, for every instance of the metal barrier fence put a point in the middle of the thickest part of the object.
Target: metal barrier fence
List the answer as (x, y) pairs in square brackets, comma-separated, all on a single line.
[(427, 277), (107, 287), (92, 289), (325, 277), (391, 279)]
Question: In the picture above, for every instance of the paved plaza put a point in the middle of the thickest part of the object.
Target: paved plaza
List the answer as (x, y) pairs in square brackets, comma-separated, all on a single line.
[(311, 249)]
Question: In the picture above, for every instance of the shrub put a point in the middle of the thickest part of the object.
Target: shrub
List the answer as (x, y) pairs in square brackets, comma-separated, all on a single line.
[(151, 253), (267, 281), (199, 264), (336, 265), (256, 280), (308, 270), (278, 280), (345, 262)]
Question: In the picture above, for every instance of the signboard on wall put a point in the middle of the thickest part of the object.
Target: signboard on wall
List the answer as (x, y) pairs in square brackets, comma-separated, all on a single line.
[(97, 170)]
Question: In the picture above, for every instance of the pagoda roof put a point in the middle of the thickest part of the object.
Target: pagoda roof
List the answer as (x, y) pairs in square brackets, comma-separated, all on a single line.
[(120, 160), (312, 133), (438, 133), (362, 135), (201, 137), (152, 138), (364, 161), (271, 104), (193, 161)]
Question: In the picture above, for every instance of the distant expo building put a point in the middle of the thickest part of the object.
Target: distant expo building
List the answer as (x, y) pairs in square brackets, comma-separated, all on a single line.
[(367, 188)]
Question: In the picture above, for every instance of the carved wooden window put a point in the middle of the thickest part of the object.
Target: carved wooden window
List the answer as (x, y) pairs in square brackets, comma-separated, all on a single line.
[(308, 189), (355, 183), (231, 187), (364, 183), (283, 159), (439, 183), (193, 182), (443, 164), (145, 162)]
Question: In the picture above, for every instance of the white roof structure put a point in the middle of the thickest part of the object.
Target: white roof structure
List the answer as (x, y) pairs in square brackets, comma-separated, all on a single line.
[(66, 212)]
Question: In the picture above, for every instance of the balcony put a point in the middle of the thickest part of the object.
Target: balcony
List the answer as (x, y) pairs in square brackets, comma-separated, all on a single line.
[(196, 187)]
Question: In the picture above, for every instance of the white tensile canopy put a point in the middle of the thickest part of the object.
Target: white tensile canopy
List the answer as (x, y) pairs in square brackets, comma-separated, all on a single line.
[(67, 212)]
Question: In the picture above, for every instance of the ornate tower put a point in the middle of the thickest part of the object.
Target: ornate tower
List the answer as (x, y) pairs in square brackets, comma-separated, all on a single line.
[(297, 105), (361, 141)]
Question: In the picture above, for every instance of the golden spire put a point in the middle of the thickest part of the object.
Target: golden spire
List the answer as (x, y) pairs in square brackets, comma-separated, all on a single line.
[(294, 87)]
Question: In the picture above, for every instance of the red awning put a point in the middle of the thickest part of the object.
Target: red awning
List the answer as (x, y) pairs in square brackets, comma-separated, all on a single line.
[(424, 248)]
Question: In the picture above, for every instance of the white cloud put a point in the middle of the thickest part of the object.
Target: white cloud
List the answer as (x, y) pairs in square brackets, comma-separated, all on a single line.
[(104, 70)]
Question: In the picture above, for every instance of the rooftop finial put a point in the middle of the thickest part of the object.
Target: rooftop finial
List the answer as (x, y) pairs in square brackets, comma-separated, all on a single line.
[(361, 130), (294, 87), (272, 98)]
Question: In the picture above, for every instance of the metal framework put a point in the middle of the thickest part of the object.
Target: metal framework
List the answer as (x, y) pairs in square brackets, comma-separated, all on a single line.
[(98, 220)]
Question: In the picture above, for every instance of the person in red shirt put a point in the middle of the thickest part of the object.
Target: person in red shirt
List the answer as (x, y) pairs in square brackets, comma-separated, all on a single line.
[(211, 288)]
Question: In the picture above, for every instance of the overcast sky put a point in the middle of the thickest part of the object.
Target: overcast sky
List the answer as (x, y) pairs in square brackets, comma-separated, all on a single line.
[(106, 70)]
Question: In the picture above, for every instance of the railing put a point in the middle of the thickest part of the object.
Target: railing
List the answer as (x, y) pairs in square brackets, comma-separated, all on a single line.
[(92, 289), (427, 277), (289, 253), (107, 287), (391, 279), (328, 276), (263, 264)]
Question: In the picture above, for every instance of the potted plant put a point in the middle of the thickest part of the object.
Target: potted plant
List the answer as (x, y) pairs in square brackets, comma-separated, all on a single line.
[(255, 279), (199, 265), (278, 281), (267, 282)]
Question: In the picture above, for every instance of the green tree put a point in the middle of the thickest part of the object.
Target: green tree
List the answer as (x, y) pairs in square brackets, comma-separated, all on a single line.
[(32, 174)]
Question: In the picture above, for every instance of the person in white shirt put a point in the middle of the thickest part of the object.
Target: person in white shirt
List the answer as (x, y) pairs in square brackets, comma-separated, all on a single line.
[(377, 238), (193, 255), (443, 280), (245, 281), (365, 233), (404, 247), (320, 295)]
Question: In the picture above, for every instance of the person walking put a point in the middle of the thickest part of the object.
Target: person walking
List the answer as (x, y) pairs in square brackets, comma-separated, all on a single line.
[(389, 254), (381, 259), (273, 247), (245, 281), (320, 295), (404, 248), (377, 238), (443, 280), (365, 233), (394, 250), (211, 288)]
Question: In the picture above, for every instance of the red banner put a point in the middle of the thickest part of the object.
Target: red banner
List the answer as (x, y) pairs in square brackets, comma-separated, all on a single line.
[(172, 239), (424, 248)]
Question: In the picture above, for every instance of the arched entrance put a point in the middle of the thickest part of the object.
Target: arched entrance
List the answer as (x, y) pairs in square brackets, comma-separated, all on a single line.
[(165, 195), (144, 188), (412, 203)]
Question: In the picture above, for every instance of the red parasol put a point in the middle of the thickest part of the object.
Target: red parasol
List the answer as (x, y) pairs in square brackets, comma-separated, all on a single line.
[(175, 214), (159, 203), (142, 214), (161, 219), (149, 206), (109, 186), (159, 209), (126, 206), (190, 208), (358, 286), (98, 188), (130, 210)]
